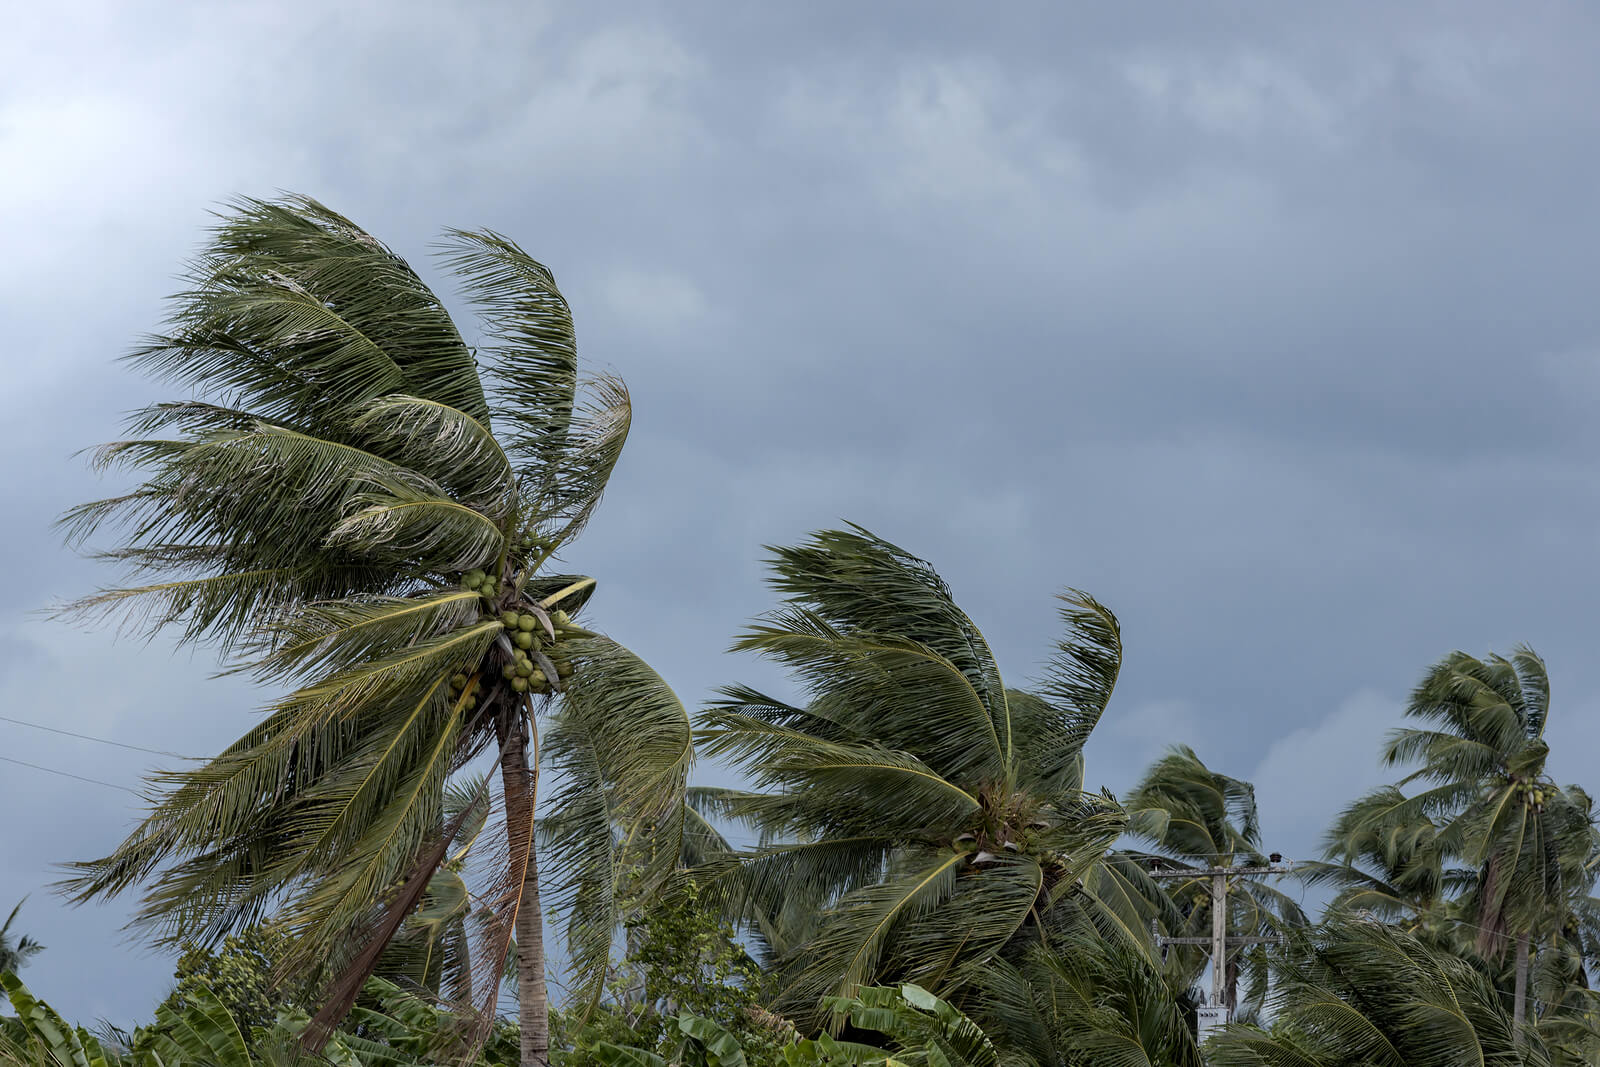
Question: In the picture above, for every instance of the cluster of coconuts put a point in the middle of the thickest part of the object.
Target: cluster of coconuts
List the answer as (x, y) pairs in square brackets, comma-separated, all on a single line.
[(533, 648), (534, 651), (485, 585), (533, 545), (1532, 794), (458, 684)]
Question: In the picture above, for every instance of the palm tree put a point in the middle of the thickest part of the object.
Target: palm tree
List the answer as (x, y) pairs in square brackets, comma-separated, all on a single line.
[(1199, 818), (357, 505), (1363, 994), (13, 954), (1483, 754), (929, 816)]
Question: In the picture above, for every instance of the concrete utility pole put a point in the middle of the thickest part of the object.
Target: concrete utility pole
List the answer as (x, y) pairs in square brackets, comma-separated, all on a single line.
[(1219, 940)]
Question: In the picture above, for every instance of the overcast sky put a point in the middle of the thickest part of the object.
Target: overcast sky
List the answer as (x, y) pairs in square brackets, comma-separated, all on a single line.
[(1271, 325)]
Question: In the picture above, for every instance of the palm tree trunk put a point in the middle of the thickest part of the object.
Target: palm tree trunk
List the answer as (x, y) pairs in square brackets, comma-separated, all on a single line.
[(1519, 1009), (520, 783)]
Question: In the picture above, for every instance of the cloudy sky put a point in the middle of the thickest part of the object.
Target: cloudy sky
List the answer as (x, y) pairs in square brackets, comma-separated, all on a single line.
[(1272, 325)]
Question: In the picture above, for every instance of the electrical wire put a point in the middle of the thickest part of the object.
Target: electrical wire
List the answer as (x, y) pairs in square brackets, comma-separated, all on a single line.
[(69, 774), (90, 737)]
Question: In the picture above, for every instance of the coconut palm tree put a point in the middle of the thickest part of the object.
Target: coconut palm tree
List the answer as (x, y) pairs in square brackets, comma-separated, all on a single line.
[(1482, 754), (13, 954), (929, 816), (360, 507), (1198, 818)]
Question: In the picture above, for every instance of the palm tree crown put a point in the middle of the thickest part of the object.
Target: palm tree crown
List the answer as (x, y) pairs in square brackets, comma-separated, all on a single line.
[(924, 813)]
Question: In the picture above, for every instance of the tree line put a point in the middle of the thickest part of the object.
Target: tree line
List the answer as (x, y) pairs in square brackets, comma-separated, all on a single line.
[(363, 510)]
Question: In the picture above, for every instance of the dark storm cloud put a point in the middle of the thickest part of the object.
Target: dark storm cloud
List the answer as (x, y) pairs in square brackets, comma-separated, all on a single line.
[(1268, 324)]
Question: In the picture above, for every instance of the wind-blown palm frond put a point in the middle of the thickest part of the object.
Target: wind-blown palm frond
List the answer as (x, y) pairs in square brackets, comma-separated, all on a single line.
[(621, 749), (1084, 668), (451, 447)]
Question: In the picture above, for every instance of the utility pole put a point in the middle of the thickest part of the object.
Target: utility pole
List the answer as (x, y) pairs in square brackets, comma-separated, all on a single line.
[(1219, 940)]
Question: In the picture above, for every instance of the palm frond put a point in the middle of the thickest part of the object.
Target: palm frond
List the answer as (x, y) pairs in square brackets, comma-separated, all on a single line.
[(403, 523), (825, 788), (1083, 669), (917, 700), (620, 747), (451, 447), (533, 355)]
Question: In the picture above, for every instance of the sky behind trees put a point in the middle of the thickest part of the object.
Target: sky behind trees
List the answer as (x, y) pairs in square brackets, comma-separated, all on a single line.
[(1269, 325)]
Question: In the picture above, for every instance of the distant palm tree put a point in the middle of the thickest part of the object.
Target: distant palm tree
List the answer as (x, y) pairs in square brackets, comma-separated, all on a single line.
[(922, 814), (1196, 817), (357, 503), (13, 954), (1531, 844)]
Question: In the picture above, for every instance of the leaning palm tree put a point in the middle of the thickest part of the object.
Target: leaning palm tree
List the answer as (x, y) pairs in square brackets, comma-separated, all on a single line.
[(359, 506), (1482, 754), (929, 816)]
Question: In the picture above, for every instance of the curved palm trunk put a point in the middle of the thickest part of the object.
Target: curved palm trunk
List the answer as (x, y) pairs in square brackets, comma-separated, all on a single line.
[(520, 783), (1519, 1009)]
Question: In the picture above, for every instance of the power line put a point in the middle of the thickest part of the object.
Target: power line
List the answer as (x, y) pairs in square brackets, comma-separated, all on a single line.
[(69, 774), (88, 737)]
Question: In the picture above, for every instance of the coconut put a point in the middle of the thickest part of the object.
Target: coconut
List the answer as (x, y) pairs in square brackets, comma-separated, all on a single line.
[(523, 639), (508, 619), (519, 684), (527, 622)]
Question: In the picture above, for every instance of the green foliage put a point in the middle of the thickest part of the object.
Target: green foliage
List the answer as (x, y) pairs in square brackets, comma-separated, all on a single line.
[(38, 1037), (240, 975), (916, 1029), (682, 963), (392, 1027)]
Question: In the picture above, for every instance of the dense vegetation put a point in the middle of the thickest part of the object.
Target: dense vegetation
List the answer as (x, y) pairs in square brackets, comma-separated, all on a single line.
[(366, 512)]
